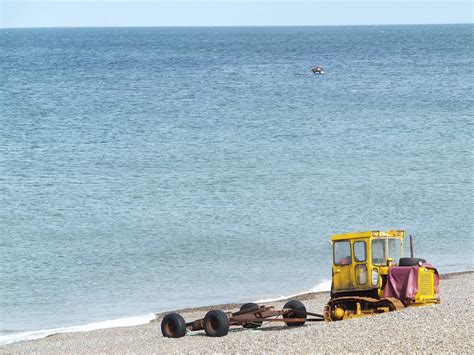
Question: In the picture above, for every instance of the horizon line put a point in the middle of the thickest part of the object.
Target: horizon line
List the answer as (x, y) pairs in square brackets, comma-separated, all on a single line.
[(238, 26)]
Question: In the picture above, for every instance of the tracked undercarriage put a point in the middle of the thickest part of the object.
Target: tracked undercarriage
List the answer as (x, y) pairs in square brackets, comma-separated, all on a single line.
[(352, 307)]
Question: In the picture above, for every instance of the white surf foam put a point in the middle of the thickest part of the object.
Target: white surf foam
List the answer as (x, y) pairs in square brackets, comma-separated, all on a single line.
[(323, 286), (10, 338), (114, 323)]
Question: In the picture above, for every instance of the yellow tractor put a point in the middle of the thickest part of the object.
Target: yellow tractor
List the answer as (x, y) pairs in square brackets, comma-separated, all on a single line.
[(371, 275)]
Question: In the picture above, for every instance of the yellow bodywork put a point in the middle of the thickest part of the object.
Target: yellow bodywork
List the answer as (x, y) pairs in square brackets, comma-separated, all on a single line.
[(426, 291)]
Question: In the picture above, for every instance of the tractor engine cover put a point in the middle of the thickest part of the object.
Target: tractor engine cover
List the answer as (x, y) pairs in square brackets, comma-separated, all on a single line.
[(404, 282)]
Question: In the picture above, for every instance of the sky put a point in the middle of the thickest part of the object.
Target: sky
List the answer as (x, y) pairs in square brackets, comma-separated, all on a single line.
[(106, 13)]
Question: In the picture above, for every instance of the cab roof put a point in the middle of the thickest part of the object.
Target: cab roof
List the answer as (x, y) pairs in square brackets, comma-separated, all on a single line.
[(369, 234)]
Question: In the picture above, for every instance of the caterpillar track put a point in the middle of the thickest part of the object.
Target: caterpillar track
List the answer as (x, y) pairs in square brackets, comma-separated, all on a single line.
[(353, 307)]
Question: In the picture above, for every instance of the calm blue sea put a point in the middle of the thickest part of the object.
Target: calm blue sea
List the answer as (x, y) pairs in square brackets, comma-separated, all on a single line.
[(148, 169)]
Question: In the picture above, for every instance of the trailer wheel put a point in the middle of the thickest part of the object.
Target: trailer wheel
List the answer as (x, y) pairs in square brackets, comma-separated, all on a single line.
[(173, 326), (216, 323), (248, 306), (300, 312)]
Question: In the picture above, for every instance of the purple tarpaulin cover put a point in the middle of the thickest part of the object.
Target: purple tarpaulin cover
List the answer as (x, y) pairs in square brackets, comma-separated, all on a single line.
[(402, 282)]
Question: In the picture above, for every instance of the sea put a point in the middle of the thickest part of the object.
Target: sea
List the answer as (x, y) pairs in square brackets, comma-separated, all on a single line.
[(150, 169)]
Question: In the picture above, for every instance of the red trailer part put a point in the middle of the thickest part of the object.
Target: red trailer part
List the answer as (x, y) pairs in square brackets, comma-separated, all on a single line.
[(216, 323)]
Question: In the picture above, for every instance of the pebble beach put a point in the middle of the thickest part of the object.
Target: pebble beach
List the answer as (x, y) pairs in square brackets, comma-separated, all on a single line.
[(447, 327)]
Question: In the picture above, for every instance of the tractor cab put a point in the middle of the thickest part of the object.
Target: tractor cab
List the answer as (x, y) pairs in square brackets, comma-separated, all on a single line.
[(361, 261)]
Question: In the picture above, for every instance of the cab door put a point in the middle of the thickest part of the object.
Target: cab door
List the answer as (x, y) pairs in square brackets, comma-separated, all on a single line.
[(342, 266), (361, 271)]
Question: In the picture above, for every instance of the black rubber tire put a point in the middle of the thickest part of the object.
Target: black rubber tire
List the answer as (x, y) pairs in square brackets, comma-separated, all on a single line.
[(250, 306), (297, 306), (216, 323), (410, 261), (173, 325)]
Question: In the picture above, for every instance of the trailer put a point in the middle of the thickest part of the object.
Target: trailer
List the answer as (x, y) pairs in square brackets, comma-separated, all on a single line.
[(216, 323)]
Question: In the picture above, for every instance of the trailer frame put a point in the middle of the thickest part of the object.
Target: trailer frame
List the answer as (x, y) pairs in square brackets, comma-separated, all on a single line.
[(216, 322)]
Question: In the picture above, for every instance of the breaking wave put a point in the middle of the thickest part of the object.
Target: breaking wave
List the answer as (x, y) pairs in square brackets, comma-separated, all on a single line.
[(8, 337)]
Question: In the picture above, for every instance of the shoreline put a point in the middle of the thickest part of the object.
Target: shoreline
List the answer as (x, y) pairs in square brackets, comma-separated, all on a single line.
[(315, 300), (302, 297), (431, 329)]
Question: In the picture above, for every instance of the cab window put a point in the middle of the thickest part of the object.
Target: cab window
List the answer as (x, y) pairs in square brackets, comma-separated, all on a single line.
[(378, 251), (361, 274), (395, 249), (342, 253), (360, 253)]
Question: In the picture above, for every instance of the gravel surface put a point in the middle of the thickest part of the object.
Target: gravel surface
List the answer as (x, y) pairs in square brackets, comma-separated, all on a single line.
[(447, 327)]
